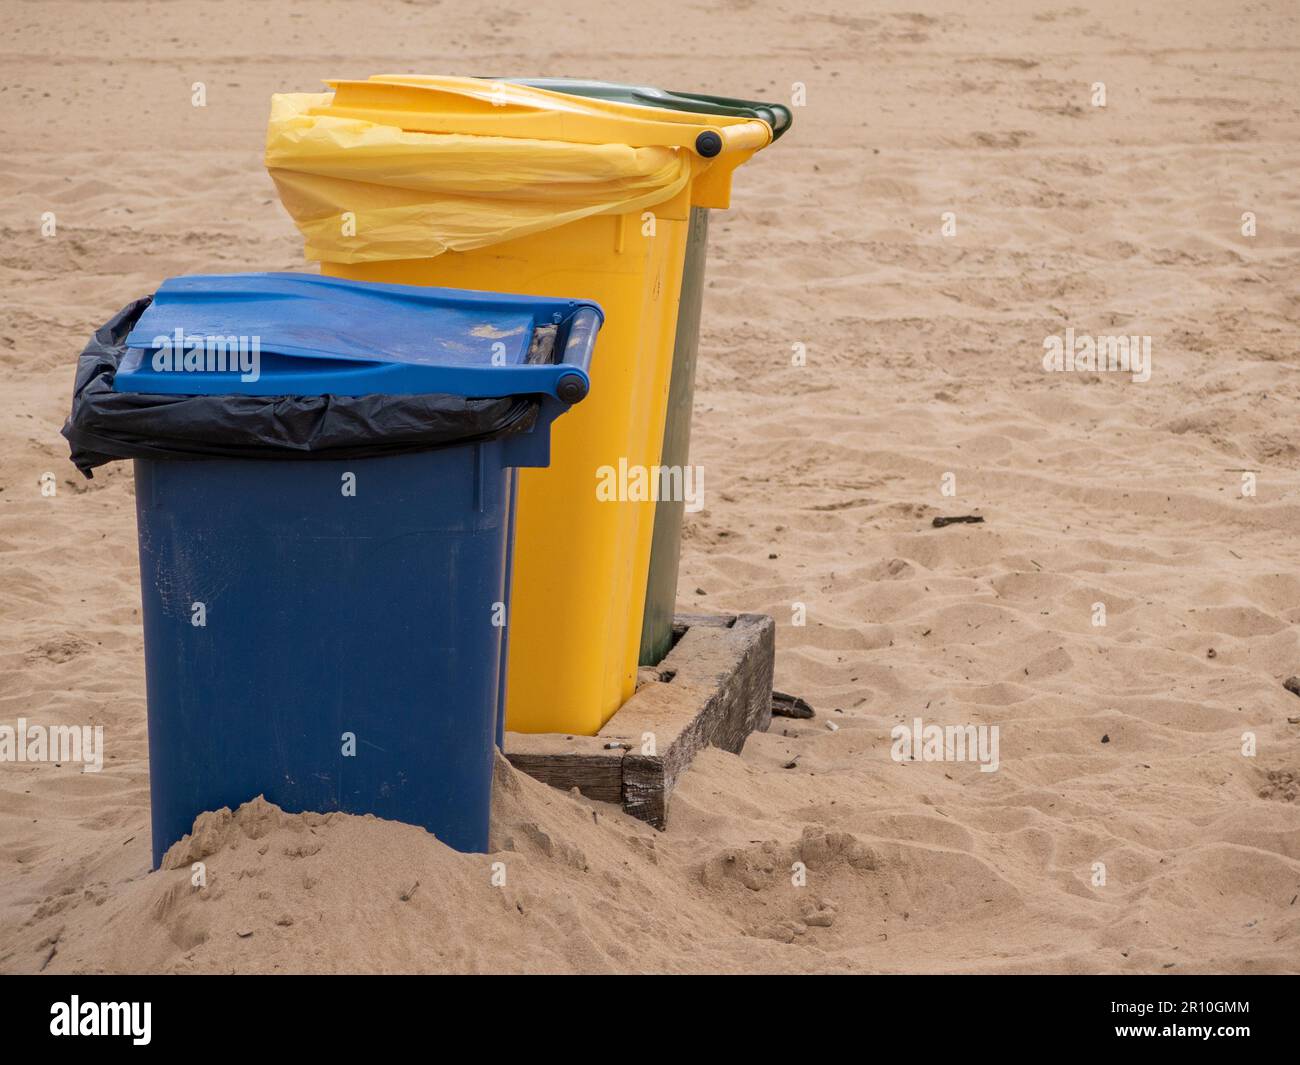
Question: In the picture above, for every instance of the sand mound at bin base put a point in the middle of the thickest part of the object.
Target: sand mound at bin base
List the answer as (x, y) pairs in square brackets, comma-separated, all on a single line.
[(257, 889), (570, 886)]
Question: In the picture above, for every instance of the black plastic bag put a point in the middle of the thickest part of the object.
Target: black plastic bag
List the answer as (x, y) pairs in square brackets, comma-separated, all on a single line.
[(107, 425)]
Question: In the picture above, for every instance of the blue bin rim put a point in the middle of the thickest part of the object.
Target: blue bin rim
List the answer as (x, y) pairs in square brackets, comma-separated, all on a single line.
[(316, 335)]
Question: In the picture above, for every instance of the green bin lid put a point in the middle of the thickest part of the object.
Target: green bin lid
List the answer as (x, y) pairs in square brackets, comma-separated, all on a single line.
[(775, 115)]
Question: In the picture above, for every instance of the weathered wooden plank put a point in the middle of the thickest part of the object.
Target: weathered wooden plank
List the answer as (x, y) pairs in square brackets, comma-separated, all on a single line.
[(720, 692), (673, 717), (566, 762), (717, 690)]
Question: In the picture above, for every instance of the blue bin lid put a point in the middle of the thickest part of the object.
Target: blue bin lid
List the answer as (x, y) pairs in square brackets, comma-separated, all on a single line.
[(326, 336)]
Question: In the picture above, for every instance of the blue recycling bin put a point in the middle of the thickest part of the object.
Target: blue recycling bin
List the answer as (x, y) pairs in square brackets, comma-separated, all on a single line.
[(330, 631)]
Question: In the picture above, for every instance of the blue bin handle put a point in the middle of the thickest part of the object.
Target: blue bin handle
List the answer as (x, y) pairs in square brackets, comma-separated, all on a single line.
[(579, 343)]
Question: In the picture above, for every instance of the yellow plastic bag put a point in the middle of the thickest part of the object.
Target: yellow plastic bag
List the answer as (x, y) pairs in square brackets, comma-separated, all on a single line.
[(362, 191)]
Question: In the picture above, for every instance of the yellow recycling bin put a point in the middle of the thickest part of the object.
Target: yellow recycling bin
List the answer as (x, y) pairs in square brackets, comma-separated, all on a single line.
[(477, 184)]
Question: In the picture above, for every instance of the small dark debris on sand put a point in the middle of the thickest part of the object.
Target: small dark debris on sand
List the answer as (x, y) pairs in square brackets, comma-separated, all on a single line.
[(959, 519), (784, 705)]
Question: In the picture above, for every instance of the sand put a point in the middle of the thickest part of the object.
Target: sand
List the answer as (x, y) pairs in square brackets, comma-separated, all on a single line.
[(1120, 745)]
